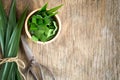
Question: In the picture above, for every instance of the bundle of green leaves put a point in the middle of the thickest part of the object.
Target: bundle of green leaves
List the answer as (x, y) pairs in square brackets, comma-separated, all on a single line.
[(10, 31), (43, 25)]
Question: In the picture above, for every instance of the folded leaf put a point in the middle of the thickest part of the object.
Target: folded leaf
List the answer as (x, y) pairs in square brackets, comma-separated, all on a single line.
[(34, 38), (56, 28)]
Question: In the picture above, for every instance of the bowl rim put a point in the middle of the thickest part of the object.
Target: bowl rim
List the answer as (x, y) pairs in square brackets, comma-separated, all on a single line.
[(28, 33)]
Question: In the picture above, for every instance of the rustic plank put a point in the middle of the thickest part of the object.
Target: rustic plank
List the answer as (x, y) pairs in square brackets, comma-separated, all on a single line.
[(88, 47)]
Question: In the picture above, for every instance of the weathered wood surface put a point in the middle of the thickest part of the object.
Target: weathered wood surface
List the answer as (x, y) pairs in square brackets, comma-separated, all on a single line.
[(88, 47)]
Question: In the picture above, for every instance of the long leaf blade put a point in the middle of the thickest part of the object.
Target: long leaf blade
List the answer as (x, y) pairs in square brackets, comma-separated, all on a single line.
[(13, 48), (3, 23), (44, 7), (14, 41), (11, 24), (54, 9)]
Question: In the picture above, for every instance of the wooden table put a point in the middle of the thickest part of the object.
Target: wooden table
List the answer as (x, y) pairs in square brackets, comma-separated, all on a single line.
[(88, 47)]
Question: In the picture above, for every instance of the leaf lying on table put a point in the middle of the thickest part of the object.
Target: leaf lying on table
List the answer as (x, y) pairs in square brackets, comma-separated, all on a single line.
[(9, 41), (3, 23), (11, 24)]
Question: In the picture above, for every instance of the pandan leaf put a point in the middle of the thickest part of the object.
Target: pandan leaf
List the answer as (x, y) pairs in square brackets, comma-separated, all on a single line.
[(51, 27), (14, 41), (39, 19), (12, 75), (12, 49), (3, 23), (53, 14), (12, 71), (56, 28), (34, 20), (3, 18), (49, 38), (34, 38), (50, 32), (43, 27), (54, 9), (44, 7), (18, 75), (43, 38), (38, 33), (33, 27), (40, 22), (11, 22), (15, 38), (43, 14)]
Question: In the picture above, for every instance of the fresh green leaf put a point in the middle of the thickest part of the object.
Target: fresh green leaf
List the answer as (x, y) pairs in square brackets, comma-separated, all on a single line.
[(44, 7), (50, 32), (3, 23), (47, 21), (53, 14), (12, 75), (11, 23), (41, 27), (51, 27), (14, 41), (49, 38), (33, 27), (40, 22), (56, 28), (46, 29), (34, 19), (43, 38), (34, 38), (38, 33), (44, 14), (15, 38), (10, 26), (54, 9), (12, 70), (18, 75), (12, 49), (39, 19)]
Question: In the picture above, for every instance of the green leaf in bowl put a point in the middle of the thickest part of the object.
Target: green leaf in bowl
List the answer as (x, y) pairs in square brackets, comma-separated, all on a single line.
[(56, 28), (54, 9), (34, 38), (43, 38), (38, 33), (44, 7), (34, 19), (50, 32), (47, 20), (33, 27)]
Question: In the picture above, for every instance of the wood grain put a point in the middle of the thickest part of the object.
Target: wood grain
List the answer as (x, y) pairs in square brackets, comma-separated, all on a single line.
[(88, 47)]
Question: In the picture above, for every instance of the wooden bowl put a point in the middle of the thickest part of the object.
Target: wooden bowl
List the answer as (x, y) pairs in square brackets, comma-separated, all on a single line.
[(40, 42)]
